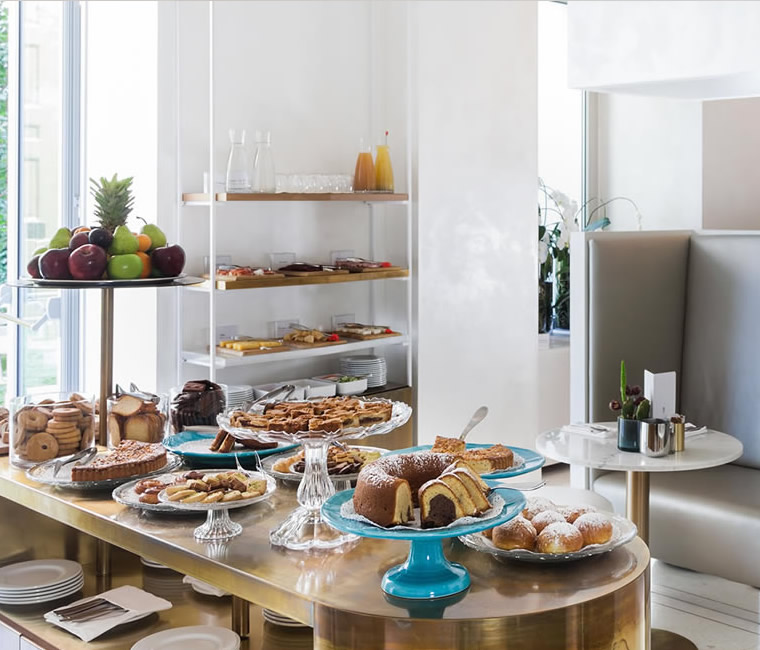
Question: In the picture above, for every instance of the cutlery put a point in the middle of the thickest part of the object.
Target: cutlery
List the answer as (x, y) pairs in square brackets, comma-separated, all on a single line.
[(522, 487), (91, 609), (286, 389), (92, 615), (84, 456), (476, 419)]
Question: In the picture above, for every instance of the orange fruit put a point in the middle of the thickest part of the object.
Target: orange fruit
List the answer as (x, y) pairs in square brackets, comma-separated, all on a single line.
[(143, 243), (81, 229), (145, 258)]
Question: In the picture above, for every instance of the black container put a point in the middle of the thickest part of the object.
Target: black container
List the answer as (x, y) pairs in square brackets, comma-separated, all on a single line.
[(628, 435)]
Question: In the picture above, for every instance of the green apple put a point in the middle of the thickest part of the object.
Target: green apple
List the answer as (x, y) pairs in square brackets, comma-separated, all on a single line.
[(125, 267), (157, 236), (124, 242), (60, 239)]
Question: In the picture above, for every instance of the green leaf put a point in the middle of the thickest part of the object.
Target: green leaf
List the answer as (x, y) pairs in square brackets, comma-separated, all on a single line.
[(623, 383)]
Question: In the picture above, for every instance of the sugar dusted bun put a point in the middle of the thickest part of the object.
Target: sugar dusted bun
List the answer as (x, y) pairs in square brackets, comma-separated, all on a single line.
[(517, 533), (559, 538), (572, 513), (594, 527), (543, 519), (535, 505)]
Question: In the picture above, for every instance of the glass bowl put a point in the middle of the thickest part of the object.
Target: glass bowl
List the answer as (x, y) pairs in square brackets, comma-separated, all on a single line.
[(132, 418)]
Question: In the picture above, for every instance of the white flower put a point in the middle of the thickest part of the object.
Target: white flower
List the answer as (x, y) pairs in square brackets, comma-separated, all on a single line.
[(563, 241), (543, 252)]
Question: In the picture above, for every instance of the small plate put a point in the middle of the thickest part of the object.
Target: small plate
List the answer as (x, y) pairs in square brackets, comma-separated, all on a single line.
[(623, 531), (43, 473), (38, 574), (194, 446), (268, 466), (531, 460), (229, 505), (125, 494), (197, 637)]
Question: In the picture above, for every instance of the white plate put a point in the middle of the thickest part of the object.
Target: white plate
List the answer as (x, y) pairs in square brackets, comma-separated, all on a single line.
[(623, 531), (278, 619), (38, 574), (12, 593), (229, 505), (44, 598), (195, 637), (154, 565)]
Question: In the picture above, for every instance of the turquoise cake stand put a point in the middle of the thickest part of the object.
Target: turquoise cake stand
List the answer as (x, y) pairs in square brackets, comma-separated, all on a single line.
[(426, 573)]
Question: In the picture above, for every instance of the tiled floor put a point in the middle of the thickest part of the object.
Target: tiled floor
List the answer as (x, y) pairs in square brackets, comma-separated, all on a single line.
[(714, 613)]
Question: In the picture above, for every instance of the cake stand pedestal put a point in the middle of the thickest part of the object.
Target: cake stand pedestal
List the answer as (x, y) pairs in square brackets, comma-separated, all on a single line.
[(427, 573), (218, 526)]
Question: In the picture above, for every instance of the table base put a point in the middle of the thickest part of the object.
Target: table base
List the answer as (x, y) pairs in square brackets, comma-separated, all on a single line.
[(665, 640)]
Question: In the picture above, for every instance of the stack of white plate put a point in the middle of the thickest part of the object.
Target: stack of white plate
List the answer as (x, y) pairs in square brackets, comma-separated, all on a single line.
[(238, 397), (278, 619), (193, 637), (39, 581), (366, 365)]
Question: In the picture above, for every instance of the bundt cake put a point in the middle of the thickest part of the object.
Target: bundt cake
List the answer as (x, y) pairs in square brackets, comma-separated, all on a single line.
[(389, 488)]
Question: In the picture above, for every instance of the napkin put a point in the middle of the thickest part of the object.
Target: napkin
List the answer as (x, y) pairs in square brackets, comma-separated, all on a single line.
[(598, 430), (205, 587), (692, 430), (137, 602)]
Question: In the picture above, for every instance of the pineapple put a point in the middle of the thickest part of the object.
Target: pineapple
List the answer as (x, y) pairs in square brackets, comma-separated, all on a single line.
[(113, 201)]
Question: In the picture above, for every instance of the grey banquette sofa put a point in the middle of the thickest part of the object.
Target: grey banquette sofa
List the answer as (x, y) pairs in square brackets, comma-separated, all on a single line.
[(688, 302)]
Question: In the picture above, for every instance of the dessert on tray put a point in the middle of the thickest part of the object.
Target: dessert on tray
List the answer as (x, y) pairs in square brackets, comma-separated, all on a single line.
[(130, 458), (358, 264), (358, 330), (544, 527), (132, 418), (328, 415), (197, 404), (339, 461), (223, 487), (484, 460), (243, 344), (304, 268), (310, 337), (233, 272), (444, 488), (225, 442)]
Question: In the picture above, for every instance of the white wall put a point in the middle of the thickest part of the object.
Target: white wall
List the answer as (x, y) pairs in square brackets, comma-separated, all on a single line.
[(695, 49), (476, 171), (649, 149), (731, 165)]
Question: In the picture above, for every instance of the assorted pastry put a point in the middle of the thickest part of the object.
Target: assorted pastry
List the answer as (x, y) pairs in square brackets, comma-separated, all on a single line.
[(310, 336), (131, 417), (4, 425), (222, 487), (130, 458), (443, 487), (50, 429), (232, 272), (358, 330), (225, 442), (484, 460), (197, 404), (545, 527), (243, 344), (340, 461), (358, 264), (304, 267), (329, 415)]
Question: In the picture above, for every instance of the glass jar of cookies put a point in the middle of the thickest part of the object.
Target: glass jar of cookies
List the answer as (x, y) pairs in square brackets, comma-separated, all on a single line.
[(47, 426), (137, 416)]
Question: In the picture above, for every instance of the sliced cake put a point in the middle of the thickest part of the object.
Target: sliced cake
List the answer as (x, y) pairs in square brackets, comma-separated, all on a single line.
[(439, 505), (477, 495), (457, 486)]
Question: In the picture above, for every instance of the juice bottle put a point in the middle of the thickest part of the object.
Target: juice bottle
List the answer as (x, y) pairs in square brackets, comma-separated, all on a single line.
[(364, 175), (383, 168)]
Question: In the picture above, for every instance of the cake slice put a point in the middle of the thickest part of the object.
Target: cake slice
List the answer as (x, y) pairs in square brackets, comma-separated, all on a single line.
[(448, 446), (463, 464), (477, 495), (439, 505), (489, 459), (461, 492)]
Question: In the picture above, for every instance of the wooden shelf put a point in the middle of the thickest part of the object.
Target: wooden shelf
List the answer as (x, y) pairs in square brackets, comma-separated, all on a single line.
[(297, 281), (203, 359), (194, 198)]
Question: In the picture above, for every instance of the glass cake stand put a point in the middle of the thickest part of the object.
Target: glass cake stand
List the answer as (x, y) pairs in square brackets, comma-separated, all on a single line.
[(305, 528), (427, 573)]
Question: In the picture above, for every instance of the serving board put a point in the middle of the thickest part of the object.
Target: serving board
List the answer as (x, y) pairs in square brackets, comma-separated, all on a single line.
[(249, 353), (238, 278), (376, 270), (308, 346), (313, 274), (367, 337)]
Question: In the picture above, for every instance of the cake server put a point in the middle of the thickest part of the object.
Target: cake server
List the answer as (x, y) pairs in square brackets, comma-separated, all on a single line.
[(476, 419), (85, 456), (286, 391)]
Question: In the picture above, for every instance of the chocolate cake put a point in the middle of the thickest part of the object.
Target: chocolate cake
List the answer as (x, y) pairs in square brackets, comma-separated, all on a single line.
[(199, 402)]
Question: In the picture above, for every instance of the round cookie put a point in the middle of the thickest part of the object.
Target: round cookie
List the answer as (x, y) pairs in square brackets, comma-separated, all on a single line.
[(67, 440), (61, 426), (41, 447), (32, 420), (67, 414)]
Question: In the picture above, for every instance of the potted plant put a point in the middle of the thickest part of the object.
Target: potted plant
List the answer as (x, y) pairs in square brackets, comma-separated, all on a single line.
[(633, 407)]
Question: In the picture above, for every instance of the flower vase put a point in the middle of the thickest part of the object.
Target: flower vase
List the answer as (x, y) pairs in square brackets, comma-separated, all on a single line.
[(544, 306), (562, 291), (628, 434)]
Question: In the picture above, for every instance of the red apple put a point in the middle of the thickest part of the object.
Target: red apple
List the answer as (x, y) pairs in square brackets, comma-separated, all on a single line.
[(54, 264), (88, 262), (33, 268), (168, 260), (80, 239), (101, 237)]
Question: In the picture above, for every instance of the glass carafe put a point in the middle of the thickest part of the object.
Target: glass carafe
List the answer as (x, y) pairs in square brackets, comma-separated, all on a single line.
[(364, 174), (264, 179), (238, 178)]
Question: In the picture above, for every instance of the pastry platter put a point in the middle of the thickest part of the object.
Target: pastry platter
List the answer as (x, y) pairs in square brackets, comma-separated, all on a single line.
[(44, 473), (126, 495), (526, 460), (268, 465), (193, 447), (426, 573), (623, 531)]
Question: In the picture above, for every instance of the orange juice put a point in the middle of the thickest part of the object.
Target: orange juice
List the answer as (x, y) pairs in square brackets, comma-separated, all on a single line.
[(364, 176), (383, 169)]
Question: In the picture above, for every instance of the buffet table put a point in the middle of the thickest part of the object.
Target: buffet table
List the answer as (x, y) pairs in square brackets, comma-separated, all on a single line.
[(600, 602)]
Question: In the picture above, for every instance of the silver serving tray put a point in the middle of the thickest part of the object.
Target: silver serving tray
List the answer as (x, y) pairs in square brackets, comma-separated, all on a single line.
[(43, 473), (623, 531)]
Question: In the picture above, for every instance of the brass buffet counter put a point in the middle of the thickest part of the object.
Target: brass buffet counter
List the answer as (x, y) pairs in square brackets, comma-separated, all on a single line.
[(598, 603)]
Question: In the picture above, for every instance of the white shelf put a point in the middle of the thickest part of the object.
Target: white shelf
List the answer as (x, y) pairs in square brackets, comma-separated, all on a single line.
[(202, 359)]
